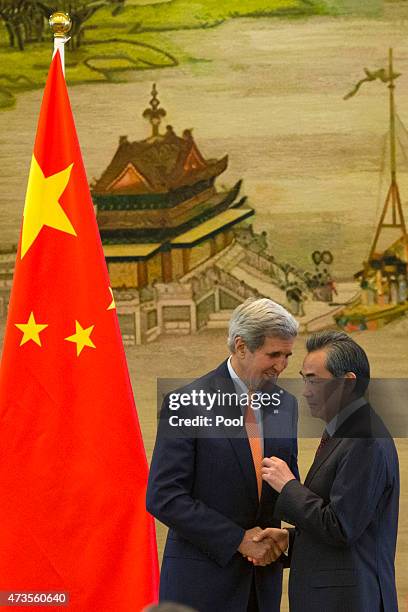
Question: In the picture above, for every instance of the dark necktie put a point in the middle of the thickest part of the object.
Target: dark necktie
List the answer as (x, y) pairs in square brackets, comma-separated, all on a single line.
[(325, 438)]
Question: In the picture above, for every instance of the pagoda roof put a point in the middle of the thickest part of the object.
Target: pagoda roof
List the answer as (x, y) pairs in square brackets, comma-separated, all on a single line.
[(129, 226), (222, 221), (130, 250), (185, 212), (157, 165), (205, 230)]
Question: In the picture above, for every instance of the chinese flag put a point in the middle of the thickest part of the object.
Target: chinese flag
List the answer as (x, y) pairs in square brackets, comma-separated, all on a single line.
[(73, 470)]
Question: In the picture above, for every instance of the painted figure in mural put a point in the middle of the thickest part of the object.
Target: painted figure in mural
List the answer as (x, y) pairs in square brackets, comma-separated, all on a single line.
[(208, 489), (296, 298), (346, 513)]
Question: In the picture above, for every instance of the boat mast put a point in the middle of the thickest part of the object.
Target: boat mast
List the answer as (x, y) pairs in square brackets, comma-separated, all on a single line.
[(393, 195)]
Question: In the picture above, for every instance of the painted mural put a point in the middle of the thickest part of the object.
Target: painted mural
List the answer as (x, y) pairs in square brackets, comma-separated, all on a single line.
[(169, 227)]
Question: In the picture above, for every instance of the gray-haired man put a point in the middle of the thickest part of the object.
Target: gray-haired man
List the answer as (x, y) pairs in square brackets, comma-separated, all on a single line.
[(209, 490)]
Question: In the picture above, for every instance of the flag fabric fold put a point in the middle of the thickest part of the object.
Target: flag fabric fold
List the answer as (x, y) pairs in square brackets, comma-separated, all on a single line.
[(73, 470)]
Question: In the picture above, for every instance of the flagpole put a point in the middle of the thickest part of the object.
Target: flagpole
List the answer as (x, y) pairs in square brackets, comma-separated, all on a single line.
[(60, 24), (391, 87), (393, 195)]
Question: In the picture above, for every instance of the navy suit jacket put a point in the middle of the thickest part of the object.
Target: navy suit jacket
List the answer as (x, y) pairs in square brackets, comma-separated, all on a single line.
[(346, 518), (204, 489)]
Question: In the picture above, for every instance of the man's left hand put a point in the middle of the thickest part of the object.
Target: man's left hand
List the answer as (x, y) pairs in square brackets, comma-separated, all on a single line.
[(276, 473)]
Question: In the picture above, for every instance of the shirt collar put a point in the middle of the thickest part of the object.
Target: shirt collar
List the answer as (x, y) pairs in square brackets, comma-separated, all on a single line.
[(240, 386)]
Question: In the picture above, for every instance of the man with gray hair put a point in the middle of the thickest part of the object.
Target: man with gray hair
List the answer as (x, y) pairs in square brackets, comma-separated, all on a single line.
[(205, 484), (346, 512)]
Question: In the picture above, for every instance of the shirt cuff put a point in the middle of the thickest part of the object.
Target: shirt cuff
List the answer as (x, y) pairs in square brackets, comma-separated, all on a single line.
[(286, 552)]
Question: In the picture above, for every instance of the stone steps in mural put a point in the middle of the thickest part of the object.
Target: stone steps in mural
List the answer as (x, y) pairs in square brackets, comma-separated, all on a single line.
[(259, 281), (232, 257)]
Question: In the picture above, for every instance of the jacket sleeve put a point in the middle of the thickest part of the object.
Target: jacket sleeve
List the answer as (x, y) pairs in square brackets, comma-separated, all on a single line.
[(360, 482), (170, 499), (294, 454), (293, 464), (286, 559)]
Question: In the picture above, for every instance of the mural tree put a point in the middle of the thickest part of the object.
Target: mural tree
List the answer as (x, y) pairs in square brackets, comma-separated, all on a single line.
[(23, 20), (80, 11), (26, 20)]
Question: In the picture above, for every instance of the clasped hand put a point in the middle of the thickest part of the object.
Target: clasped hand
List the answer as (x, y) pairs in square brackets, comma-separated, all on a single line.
[(263, 546)]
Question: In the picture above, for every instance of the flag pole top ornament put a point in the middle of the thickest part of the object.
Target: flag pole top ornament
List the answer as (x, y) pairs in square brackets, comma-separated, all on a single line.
[(60, 24)]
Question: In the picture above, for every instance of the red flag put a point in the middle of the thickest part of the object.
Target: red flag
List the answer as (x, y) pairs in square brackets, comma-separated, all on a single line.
[(73, 470)]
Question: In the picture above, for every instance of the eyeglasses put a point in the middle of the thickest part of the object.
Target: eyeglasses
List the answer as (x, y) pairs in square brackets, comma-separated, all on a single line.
[(314, 381)]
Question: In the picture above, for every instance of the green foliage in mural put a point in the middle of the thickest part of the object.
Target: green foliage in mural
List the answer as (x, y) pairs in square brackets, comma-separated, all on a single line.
[(111, 37)]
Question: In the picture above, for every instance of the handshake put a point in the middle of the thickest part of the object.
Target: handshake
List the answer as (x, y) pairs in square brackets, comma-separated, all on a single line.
[(263, 546)]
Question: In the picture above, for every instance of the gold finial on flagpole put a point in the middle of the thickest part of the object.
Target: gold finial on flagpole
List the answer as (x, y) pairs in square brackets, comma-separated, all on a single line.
[(60, 24)]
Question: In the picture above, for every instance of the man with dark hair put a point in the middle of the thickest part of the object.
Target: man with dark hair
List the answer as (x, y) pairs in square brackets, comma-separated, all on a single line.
[(342, 355), (346, 513)]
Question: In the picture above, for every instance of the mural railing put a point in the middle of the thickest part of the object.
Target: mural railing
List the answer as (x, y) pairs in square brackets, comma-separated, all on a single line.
[(238, 287), (281, 275)]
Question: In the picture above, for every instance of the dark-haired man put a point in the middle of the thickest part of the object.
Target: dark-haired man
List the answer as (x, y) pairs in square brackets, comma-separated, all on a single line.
[(346, 512)]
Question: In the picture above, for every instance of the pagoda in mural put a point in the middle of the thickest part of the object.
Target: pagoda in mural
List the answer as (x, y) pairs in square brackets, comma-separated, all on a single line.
[(159, 212)]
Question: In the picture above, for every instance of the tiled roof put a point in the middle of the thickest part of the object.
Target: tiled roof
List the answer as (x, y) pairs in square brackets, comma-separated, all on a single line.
[(157, 165)]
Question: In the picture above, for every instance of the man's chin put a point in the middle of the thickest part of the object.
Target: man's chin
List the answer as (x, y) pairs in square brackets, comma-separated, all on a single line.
[(267, 381), (270, 378), (315, 411)]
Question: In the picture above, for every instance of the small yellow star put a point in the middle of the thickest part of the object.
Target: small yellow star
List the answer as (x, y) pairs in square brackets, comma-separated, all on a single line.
[(42, 205), (31, 330), (81, 337), (112, 305)]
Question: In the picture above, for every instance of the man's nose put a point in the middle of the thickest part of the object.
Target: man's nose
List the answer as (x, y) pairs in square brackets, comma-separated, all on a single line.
[(307, 392), (280, 364)]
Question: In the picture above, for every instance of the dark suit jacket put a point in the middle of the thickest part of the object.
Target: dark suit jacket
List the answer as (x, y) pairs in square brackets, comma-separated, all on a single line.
[(346, 517), (205, 490)]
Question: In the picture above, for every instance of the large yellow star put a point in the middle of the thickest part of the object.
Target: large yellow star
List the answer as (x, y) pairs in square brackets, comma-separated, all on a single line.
[(42, 206), (81, 337), (31, 330)]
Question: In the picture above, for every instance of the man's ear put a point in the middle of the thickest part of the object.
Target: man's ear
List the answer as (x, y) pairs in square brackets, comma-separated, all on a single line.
[(351, 381), (240, 347)]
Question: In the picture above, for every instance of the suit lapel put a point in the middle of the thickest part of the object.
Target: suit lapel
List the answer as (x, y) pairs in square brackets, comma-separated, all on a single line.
[(239, 442), (324, 454), (244, 456), (270, 448), (356, 425)]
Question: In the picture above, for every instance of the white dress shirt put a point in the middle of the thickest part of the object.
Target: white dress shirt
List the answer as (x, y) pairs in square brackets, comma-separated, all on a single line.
[(242, 389)]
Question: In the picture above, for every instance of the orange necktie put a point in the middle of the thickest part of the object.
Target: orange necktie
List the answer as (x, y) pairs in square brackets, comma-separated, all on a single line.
[(254, 439)]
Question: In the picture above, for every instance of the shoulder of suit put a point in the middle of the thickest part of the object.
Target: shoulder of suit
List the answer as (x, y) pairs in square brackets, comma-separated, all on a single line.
[(286, 396), (363, 423), (368, 446), (202, 382)]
